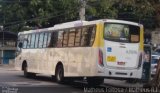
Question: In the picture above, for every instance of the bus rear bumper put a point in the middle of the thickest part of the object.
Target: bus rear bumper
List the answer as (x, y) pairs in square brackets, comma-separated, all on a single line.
[(119, 73)]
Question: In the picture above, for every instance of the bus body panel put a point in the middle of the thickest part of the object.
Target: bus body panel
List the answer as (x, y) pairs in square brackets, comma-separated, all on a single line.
[(80, 61), (123, 74), (83, 61), (122, 55)]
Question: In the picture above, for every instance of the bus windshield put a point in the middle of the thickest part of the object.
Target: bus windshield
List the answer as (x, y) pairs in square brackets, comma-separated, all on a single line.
[(121, 32)]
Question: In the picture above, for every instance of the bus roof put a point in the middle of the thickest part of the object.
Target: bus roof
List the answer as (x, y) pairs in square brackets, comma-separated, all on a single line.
[(121, 21), (79, 23)]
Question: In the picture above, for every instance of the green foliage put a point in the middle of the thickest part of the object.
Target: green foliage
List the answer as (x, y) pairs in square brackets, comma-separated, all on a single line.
[(101, 9), (17, 14), (136, 10)]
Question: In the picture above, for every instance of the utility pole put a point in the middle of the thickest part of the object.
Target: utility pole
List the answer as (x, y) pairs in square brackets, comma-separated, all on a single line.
[(82, 9)]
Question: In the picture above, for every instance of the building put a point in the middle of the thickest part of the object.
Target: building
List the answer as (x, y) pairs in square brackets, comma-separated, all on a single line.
[(8, 42)]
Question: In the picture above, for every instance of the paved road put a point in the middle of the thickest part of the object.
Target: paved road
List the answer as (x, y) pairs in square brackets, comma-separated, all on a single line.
[(12, 81)]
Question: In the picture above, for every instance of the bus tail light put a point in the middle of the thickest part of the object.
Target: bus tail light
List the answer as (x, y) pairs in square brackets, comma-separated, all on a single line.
[(100, 59)]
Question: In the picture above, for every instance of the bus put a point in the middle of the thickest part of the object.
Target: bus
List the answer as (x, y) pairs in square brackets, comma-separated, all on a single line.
[(93, 50)]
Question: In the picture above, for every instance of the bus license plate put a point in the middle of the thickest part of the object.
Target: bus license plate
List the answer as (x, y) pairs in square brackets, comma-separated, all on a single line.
[(111, 59)]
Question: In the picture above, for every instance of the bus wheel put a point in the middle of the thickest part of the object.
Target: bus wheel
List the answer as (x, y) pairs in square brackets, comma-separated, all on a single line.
[(27, 74), (59, 74), (95, 81), (25, 71)]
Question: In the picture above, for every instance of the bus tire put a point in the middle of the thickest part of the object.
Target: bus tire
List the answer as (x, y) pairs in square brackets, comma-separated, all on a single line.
[(95, 81), (27, 74), (59, 74)]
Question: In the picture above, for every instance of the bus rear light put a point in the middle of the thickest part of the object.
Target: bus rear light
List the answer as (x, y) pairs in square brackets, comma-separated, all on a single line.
[(100, 61)]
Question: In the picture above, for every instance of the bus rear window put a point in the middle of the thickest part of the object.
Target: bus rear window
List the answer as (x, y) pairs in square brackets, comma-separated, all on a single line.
[(121, 33)]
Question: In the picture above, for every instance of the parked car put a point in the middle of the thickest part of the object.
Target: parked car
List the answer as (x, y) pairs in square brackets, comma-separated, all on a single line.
[(154, 62)]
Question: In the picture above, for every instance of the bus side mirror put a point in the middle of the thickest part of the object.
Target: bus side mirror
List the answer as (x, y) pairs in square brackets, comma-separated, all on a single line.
[(20, 45)]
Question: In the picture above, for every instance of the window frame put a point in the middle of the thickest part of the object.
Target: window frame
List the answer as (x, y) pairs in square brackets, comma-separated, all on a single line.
[(129, 37), (94, 26), (50, 34)]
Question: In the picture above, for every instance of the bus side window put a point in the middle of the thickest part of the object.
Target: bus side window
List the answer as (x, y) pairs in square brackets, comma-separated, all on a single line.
[(29, 41), (25, 40), (71, 37), (93, 33), (65, 38), (60, 39), (20, 39), (32, 40), (41, 36), (36, 40), (78, 36), (54, 39), (84, 36), (48, 39), (88, 34), (45, 40)]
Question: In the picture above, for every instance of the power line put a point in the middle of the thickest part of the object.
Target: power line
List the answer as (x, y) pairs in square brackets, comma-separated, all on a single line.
[(20, 22), (38, 18), (16, 22)]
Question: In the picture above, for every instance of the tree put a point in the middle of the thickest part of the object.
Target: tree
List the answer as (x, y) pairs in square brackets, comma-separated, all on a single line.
[(19, 14), (100, 9), (141, 11), (156, 5), (49, 12), (37, 13), (13, 13)]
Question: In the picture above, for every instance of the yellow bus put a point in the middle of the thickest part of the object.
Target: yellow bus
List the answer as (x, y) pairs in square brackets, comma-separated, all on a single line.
[(83, 49)]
